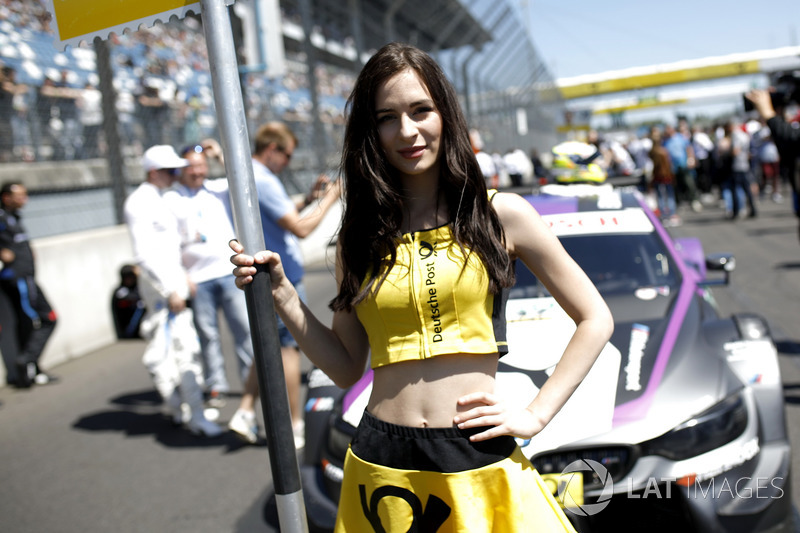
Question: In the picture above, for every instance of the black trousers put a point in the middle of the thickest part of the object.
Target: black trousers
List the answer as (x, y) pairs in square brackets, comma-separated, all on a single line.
[(35, 318)]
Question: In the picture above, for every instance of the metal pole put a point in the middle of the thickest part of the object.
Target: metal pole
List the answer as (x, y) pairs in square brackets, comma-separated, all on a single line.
[(388, 19), (502, 79), (499, 52), (116, 166), (356, 23), (527, 88), (487, 97), (448, 29), (320, 139), (465, 65), (488, 57), (260, 307)]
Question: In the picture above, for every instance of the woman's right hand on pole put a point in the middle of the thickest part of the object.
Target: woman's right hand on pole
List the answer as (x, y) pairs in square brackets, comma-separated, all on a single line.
[(246, 265)]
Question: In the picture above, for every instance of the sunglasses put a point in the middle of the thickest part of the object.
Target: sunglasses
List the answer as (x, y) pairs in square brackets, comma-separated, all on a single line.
[(284, 151)]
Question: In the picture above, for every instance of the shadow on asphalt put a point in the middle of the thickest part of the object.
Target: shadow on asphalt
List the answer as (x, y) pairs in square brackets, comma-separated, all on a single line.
[(778, 230), (700, 220), (151, 397), (270, 510), (148, 397), (788, 347), (261, 516), (141, 415), (269, 516), (791, 393)]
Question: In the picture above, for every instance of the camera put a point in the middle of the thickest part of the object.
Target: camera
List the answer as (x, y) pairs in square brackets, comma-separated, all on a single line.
[(787, 90)]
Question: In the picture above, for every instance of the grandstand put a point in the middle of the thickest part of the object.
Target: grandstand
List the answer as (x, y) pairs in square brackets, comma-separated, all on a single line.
[(163, 87)]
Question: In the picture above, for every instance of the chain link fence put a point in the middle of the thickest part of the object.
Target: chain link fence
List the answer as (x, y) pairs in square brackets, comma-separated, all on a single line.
[(51, 106)]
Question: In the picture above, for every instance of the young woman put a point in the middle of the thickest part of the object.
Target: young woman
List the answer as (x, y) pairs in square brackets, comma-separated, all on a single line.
[(425, 255)]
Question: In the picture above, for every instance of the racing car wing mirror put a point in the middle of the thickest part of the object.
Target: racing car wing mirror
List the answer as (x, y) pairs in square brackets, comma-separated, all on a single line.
[(719, 262), (691, 251)]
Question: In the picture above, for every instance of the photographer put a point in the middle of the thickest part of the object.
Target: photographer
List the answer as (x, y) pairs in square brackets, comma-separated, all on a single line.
[(786, 137)]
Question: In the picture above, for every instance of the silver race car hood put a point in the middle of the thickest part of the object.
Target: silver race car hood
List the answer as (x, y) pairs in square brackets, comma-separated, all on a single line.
[(656, 372)]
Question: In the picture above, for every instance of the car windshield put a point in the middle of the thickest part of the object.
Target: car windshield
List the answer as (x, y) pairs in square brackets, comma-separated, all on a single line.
[(617, 264)]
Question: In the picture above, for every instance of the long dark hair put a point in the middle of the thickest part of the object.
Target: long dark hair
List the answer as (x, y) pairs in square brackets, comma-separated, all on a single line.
[(373, 201)]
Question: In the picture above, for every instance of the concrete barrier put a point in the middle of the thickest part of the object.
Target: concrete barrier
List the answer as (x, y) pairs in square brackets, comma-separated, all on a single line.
[(79, 271), (67, 175)]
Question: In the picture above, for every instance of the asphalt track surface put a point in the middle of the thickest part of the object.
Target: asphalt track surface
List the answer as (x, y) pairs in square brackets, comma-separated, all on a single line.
[(94, 453)]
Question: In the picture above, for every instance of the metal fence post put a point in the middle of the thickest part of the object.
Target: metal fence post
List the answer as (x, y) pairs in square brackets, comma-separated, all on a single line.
[(116, 167)]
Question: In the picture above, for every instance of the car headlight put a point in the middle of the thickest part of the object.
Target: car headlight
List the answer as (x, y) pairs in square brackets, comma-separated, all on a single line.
[(751, 327), (707, 431)]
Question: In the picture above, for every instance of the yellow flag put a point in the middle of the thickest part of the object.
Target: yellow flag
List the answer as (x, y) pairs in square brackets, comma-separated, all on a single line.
[(83, 20)]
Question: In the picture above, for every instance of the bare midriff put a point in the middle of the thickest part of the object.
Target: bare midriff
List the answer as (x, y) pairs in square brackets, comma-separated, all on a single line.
[(425, 393)]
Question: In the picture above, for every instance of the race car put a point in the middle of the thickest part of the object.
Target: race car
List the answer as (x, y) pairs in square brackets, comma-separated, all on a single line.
[(576, 162), (680, 424)]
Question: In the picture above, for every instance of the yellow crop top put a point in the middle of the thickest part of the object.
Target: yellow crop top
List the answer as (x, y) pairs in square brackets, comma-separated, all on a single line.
[(427, 307)]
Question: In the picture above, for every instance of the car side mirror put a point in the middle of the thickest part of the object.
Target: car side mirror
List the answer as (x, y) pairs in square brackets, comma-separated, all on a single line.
[(690, 250), (725, 263)]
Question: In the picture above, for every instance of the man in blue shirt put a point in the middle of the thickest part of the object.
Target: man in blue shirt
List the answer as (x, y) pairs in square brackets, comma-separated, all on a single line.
[(681, 154), (283, 224)]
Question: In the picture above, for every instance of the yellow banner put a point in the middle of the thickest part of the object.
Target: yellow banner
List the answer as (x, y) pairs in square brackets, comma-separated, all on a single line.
[(86, 19), (566, 128), (657, 79), (642, 104)]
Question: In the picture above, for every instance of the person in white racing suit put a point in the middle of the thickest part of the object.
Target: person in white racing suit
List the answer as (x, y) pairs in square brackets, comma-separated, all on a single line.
[(172, 354)]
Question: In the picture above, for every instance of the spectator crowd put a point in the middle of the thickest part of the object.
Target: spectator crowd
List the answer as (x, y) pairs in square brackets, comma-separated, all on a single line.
[(733, 164), (50, 105)]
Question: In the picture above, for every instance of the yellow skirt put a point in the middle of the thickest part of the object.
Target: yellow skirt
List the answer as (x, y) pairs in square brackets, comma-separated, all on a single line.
[(455, 485)]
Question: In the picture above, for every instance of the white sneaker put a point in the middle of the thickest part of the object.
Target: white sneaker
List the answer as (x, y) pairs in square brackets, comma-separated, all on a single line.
[(203, 428), (44, 379), (211, 413), (244, 425)]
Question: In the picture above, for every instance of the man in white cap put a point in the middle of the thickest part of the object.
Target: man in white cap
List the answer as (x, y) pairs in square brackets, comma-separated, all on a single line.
[(201, 207), (173, 349)]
